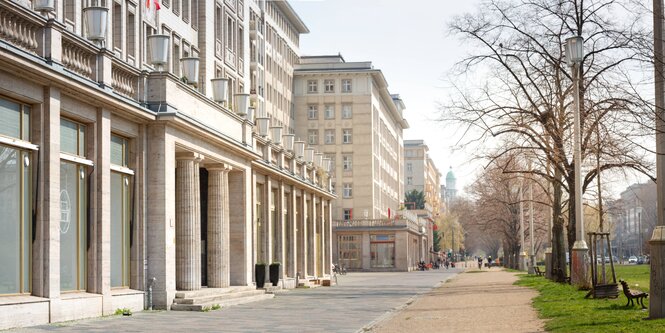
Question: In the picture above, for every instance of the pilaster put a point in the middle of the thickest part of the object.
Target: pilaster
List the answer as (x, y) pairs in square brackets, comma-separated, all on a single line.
[(102, 273)]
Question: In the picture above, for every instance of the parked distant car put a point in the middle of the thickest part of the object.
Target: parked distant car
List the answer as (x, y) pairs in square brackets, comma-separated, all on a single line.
[(632, 260), (607, 259), (641, 260)]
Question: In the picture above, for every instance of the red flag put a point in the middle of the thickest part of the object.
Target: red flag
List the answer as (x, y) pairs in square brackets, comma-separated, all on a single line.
[(388, 212), (157, 6)]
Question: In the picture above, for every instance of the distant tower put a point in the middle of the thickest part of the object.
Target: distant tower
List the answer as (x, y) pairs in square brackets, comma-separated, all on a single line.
[(451, 189)]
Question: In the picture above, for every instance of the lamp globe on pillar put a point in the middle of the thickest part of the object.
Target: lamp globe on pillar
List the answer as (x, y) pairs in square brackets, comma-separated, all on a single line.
[(299, 149), (288, 141), (44, 6), (190, 69), (276, 134), (318, 160), (96, 19), (242, 103), (309, 155), (158, 50), (262, 124), (220, 89), (578, 274), (250, 114)]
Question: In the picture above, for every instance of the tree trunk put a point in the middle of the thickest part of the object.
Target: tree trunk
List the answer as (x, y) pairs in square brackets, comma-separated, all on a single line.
[(559, 268)]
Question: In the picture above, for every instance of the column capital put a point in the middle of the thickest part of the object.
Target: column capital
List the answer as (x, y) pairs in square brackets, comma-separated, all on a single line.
[(225, 167), (187, 155)]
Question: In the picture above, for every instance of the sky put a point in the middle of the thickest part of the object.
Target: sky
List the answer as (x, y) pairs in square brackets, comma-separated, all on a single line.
[(409, 42)]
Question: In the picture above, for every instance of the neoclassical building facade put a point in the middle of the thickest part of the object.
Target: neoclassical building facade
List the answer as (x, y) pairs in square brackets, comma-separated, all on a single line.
[(128, 182)]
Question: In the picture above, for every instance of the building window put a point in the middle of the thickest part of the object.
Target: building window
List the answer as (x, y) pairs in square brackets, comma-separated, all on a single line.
[(312, 111), (346, 135), (329, 138), (382, 251), (409, 167), (347, 162), (350, 251), (346, 86), (73, 206), (348, 213), (121, 188), (329, 86), (409, 180), (312, 86), (15, 201), (347, 111), (347, 190), (313, 137), (329, 111)]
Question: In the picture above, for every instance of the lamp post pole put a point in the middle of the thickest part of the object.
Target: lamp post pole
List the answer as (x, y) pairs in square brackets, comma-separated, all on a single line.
[(522, 259), (657, 242), (578, 274), (532, 253)]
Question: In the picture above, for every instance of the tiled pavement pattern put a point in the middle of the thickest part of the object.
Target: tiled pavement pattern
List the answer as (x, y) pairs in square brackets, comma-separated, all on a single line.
[(359, 300)]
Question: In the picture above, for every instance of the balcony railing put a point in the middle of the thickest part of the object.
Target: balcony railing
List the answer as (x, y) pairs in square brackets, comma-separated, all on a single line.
[(125, 79), (78, 55), (19, 26)]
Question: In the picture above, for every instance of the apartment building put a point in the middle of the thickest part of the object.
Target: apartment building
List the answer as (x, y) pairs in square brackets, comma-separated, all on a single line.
[(421, 174), (344, 110), (130, 159)]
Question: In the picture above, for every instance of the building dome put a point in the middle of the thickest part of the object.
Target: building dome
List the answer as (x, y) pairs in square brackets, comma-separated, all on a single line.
[(450, 175)]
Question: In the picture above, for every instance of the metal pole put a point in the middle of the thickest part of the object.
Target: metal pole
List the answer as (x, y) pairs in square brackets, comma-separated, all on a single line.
[(532, 253), (578, 274), (522, 262), (657, 243)]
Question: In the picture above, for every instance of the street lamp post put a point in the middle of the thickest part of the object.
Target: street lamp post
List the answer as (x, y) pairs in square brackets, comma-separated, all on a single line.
[(578, 274), (657, 242), (522, 259), (532, 253)]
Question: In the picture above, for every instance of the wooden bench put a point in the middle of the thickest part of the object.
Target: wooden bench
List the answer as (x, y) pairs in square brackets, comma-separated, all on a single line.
[(538, 271), (630, 295)]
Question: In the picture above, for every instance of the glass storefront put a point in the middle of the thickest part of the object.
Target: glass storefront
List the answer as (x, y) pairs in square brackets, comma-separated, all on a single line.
[(382, 251), (120, 214), (73, 208), (15, 201), (349, 251)]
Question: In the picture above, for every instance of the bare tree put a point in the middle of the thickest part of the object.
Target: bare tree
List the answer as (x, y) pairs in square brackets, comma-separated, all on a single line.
[(526, 95)]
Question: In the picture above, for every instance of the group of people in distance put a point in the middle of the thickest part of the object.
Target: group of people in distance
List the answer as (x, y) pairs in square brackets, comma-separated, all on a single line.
[(480, 262)]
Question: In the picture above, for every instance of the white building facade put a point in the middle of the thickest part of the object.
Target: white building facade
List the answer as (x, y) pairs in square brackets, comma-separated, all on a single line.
[(121, 173)]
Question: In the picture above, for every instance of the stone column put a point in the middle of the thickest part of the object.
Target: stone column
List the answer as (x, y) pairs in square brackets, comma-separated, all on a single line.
[(218, 226), (302, 239), (311, 258), (291, 229), (188, 222)]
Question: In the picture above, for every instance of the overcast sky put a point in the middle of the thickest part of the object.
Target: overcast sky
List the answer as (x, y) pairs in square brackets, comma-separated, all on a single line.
[(408, 41)]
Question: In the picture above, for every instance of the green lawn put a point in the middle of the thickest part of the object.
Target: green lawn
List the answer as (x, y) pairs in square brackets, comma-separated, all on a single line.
[(634, 274), (566, 310)]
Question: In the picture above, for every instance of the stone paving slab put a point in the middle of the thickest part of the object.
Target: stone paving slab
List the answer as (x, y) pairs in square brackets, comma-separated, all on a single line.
[(358, 301)]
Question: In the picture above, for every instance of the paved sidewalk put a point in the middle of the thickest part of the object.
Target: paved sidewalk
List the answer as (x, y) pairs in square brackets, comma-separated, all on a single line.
[(359, 300), (485, 301)]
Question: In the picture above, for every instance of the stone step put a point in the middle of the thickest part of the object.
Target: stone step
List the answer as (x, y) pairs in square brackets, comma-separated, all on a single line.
[(219, 297), (222, 303), (211, 291)]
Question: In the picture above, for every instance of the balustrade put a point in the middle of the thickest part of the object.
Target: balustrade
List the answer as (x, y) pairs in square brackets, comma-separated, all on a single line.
[(78, 55), (19, 27), (125, 79)]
